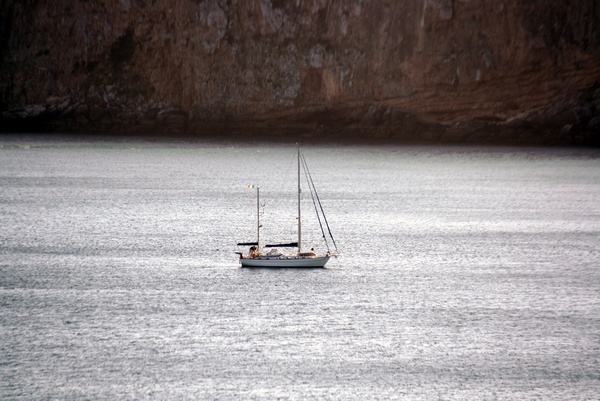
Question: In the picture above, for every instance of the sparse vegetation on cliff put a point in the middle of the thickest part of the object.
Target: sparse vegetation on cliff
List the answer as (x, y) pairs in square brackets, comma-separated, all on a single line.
[(441, 70)]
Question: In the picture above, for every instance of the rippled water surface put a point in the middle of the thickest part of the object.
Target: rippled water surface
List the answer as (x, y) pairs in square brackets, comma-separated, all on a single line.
[(466, 273)]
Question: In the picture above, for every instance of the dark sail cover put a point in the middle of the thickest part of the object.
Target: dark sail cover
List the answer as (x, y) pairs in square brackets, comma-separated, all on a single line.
[(288, 245), (247, 243)]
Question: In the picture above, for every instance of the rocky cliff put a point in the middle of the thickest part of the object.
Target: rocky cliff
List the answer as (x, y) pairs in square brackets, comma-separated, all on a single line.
[(525, 71)]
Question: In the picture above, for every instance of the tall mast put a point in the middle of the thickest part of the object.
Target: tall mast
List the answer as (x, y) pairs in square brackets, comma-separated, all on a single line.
[(299, 212)]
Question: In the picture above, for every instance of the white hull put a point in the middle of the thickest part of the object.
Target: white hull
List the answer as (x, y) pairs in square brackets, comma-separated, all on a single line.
[(285, 261)]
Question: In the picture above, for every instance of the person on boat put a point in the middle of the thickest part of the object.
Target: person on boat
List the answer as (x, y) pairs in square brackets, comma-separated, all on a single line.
[(253, 251)]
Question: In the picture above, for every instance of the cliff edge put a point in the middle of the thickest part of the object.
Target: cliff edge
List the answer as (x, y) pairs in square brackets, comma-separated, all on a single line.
[(505, 71)]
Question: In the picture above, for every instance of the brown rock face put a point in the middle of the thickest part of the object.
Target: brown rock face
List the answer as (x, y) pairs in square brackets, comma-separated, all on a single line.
[(524, 71)]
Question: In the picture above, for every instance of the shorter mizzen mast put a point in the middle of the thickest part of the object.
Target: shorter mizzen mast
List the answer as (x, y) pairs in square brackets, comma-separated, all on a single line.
[(299, 208), (257, 216), (254, 246)]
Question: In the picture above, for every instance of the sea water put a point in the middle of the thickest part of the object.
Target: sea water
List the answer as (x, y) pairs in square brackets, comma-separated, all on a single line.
[(465, 272)]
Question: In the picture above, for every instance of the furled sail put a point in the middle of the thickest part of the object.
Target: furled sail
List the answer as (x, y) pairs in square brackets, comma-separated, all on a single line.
[(288, 245)]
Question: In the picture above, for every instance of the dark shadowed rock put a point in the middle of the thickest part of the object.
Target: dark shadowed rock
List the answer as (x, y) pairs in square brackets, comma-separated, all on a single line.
[(429, 70)]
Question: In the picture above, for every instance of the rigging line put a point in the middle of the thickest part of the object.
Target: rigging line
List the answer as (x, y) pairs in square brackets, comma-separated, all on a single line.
[(318, 200), (313, 193), (306, 174)]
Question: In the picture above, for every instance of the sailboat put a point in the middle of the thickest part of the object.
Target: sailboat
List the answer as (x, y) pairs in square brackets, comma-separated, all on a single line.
[(257, 256)]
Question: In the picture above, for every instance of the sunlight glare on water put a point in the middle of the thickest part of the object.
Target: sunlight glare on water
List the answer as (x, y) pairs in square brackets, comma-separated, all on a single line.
[(465, 273)]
